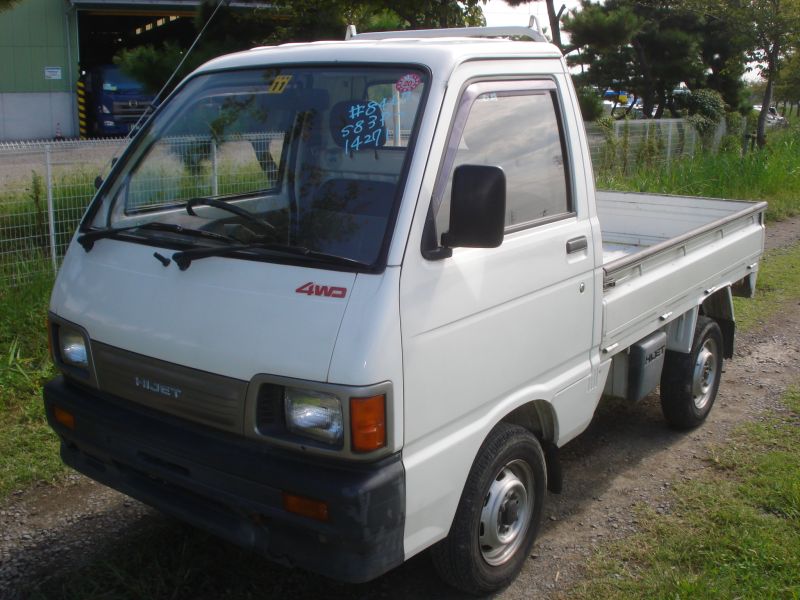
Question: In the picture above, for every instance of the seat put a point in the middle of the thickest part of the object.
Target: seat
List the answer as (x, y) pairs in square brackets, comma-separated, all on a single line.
[(348, 217)]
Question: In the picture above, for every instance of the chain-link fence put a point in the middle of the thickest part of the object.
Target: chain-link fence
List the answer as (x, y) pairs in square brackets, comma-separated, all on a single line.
[(44, 190), (46, 187), (624, 146)]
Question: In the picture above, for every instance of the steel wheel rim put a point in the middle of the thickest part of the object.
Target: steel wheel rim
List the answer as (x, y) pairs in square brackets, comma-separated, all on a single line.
[(705, 374), (506, 513)]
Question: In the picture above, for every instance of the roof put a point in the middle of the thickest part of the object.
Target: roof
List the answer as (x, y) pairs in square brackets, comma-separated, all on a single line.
[(439, 54)]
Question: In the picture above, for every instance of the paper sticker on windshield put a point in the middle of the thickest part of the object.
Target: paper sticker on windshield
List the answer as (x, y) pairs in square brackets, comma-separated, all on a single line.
[(408, 82), (361, 125), (279, 84)]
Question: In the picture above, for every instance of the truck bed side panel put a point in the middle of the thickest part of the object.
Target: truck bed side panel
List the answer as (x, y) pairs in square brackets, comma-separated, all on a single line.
[(646, 289)]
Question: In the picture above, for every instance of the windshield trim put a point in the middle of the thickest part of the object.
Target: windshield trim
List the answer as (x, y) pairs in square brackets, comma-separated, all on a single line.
[(140, 136)]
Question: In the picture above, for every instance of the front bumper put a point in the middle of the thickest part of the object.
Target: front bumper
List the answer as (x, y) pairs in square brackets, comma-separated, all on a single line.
[(232, 487)]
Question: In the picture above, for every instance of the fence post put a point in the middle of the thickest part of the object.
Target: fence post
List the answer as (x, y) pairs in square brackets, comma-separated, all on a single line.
[(669, 143), (214, 172), (51, 217)]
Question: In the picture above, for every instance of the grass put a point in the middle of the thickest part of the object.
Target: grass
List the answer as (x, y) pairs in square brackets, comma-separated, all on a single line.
[(24, 224), (778, 285), (163, 560), (772, 175), (28, 447), (733, 534)]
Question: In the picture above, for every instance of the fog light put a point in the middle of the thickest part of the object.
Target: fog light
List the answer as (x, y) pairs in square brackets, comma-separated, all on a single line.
[(65, 418), (305, 507)]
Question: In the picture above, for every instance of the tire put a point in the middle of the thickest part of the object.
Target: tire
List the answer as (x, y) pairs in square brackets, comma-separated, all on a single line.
[(689, 382), (498, 515)]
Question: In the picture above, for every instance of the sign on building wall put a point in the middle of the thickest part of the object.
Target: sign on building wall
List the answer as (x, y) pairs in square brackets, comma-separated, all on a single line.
[(52, 72)]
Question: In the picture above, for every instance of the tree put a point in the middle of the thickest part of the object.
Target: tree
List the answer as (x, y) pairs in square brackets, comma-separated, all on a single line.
[(787, 88), (723, 46), (775, 29), (644, 49), (7, 4), (553, 16), (240, 28), (439, 13)]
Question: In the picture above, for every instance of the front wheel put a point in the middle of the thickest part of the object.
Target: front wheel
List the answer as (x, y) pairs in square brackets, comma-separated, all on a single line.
[(689, 382), (498, 515)]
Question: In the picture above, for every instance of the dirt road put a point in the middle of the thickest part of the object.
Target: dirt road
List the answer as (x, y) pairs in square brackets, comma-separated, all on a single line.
[(627, 456)]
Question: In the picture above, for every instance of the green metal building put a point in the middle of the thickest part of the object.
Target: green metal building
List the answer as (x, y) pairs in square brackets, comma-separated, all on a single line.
[(38, 70), (47, 46)]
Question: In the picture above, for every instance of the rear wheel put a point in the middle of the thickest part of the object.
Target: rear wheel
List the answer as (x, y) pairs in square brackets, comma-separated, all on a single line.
[(498, 515), (689, 382)]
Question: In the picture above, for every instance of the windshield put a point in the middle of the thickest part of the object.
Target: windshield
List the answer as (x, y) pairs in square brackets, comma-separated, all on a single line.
[(309, 157), (114, 80)]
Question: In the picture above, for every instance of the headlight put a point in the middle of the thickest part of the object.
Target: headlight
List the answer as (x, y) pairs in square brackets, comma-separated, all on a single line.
[(314, 414), (72, 348)]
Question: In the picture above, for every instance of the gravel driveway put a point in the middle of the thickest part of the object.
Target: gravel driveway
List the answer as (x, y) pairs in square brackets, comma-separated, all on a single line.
[(627, 456)]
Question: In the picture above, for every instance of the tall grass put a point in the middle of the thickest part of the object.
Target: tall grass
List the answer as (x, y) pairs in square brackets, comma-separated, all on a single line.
[(772, 174), (28, 448), (25, 236)]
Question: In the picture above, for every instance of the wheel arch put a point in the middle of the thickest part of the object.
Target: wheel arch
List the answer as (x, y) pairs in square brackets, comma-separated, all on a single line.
[(719, 306), (539, 417)]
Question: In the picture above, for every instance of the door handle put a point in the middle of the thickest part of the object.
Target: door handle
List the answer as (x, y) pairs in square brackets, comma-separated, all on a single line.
[(577, 244)]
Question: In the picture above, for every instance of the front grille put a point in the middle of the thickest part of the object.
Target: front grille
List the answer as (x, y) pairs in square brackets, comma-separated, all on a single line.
[(270, 415), (129, 108), (194, 395)]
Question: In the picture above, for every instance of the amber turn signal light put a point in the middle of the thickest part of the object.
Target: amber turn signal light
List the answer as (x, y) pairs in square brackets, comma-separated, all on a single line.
[(305, 507), (368, 423), (65, 418)]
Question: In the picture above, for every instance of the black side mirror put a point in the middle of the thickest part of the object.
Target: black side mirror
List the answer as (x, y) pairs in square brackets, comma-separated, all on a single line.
[(477, 208)]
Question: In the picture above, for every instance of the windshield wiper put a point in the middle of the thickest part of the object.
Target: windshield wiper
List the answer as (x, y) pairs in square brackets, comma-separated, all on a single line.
[(184, 258), (88, 239)]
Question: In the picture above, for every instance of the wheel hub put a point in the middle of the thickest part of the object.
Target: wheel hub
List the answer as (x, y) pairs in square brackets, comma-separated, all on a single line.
[(510, 512), (506, 512), (705, 373)]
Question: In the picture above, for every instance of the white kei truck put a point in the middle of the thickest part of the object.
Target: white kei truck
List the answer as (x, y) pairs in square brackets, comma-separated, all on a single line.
[(341, 302)]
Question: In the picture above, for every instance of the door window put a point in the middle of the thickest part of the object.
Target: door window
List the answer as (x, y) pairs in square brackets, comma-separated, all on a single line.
[(518, 130)]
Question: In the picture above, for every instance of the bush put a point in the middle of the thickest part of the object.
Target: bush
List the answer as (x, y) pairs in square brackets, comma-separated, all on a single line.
[(591, 104), (707, 104)]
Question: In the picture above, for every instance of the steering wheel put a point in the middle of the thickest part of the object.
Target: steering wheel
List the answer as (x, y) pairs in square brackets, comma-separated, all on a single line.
[(263, 224)]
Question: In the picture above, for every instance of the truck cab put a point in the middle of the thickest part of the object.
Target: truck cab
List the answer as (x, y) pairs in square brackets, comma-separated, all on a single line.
[(117, 101), (342, 302)]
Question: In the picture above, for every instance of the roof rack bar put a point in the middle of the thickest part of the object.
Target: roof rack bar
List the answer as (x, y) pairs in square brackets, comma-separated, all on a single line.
[(531, 32)]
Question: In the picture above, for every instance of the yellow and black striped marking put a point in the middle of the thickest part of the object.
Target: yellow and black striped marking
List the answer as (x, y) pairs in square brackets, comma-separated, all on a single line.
[(83, 124)]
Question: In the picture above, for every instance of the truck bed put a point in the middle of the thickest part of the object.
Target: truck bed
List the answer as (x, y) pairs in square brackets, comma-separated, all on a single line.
[(663, 254)]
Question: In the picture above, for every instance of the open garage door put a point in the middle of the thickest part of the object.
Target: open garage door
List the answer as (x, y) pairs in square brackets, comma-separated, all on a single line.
[(109, 102)]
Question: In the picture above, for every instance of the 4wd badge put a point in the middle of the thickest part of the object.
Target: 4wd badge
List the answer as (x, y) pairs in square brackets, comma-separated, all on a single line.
[(328, 291)]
